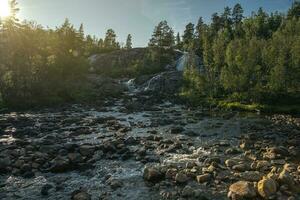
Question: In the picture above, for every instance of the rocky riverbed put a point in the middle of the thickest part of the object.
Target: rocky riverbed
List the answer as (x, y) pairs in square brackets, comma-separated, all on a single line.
[(135, 148)]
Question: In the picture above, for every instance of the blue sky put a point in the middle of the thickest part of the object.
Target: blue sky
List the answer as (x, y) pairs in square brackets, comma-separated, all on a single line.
[(137, 17)]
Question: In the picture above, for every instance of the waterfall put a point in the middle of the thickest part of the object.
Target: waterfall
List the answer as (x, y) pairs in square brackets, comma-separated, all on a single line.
[(182, 61), (131, 85), (152, 82)]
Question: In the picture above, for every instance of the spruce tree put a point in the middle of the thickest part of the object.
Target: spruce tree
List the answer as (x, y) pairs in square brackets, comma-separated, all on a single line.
[(129, 42)]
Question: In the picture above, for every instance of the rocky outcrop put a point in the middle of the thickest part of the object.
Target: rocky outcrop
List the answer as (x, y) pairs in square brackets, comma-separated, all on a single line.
[(116, 59), (165, 83), (102, 87), (122, 59)]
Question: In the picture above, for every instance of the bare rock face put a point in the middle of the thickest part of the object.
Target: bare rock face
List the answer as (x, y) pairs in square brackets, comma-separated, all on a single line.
[(165, 82), (267, 187), (242, 190), (116, 59), (102, 86)]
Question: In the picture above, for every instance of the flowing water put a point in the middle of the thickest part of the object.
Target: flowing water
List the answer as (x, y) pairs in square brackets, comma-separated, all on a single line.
[(208, 127)]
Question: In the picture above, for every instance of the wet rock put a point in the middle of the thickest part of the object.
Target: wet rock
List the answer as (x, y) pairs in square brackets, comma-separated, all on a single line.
[(190, 133), (60, 164), (231, 162), (212, 159), (187, 191), (246, 145), (81, 195), (241, 167), (242, 190), (232, 151), (262, 165), (181, 178), (114, 183), (285, 178), (87, 150), (276, 152), (152, 174), (75, 158), (4, 164), (199, 195), (45, 189), (171, 173), (290, 167), (267, 188), (176, 130), (131, 141), (204, 178), (249, 176)]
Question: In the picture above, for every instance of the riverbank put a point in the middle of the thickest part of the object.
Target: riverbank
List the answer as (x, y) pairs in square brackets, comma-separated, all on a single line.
[(268, 109), (138, 148)]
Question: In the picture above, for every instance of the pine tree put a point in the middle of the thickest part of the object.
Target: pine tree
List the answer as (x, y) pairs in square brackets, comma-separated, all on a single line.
[(110, 40), (294, 11), (237, 14), (163, 36), (129, 42), (188, 37)]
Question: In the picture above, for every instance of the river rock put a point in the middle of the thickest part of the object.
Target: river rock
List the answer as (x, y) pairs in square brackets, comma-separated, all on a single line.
[(45, 189), (75, 157), (181, 178), (204, 178), (267, 187), (114, 183), (250, 176), (4, 163), (231, 162), (187, 191), (263, 165), (176, 130), (87, 150), (287, 179), (60, 164), (242, 190), (241, 167), (152, 174), (80, 195)]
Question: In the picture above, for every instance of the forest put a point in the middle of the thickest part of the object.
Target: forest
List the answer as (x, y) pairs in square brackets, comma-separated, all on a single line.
[(251, 59)]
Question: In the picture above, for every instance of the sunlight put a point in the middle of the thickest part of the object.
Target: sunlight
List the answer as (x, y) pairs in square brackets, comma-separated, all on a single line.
[(4, 8)]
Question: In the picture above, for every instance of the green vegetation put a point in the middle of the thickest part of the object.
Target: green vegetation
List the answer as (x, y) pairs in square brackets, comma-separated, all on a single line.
[(46, 66), (250, 63)]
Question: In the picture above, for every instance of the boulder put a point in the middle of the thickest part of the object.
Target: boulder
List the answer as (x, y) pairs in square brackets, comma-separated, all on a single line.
[(181, 178), (166, 83), (204, 178), (80, 195), (87, 150), (242, 190), (266, 188), (60, 164), (152, 174), (187, 191)]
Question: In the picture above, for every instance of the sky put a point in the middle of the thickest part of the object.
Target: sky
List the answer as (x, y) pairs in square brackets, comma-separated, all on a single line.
[(137, 17)]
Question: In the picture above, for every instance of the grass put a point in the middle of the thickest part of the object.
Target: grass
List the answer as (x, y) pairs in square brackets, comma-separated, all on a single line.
[(283, 109), (290, 107)]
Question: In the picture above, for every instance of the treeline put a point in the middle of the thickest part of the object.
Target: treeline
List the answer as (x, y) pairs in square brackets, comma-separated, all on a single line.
[(41, 66), (253, 59)]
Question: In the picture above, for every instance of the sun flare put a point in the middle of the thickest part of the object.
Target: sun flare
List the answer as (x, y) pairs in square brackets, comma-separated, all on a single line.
[(4, 8)]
